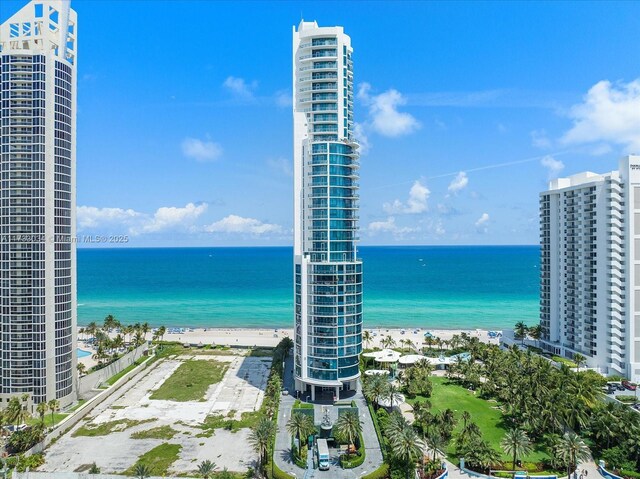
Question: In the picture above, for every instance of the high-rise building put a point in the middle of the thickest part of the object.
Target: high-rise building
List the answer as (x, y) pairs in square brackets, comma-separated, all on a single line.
[(590, 268), (38, 201), (328, 273)]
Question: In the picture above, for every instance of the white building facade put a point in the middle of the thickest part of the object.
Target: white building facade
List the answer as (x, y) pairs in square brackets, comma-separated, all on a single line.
[(327, 271), (590, 268), (38, 203)]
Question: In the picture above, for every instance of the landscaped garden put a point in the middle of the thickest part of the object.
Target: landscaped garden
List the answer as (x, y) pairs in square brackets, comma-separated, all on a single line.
[(447, 395), (502, 410)]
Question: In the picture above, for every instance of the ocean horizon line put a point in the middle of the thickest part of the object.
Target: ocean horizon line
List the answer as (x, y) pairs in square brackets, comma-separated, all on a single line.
[(102, 248)]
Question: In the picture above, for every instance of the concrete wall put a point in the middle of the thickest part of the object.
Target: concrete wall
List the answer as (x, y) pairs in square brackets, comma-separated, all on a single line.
[(604, 473), (91, 381), (69, 475), (484, 476)]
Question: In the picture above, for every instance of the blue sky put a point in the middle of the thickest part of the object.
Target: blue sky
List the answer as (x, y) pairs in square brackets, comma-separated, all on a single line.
[(185, 132)]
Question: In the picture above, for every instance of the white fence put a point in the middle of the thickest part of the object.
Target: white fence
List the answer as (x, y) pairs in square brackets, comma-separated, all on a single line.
[(90, 381)]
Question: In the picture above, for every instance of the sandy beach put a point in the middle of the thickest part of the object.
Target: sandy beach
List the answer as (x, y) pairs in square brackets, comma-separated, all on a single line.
[(271, 337)]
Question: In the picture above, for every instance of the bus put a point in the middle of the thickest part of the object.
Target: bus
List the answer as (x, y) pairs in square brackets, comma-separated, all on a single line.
[(323, 454)]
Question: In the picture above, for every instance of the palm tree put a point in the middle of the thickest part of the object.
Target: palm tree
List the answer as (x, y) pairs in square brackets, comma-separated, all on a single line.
[(535, 332), (141, 471), (579, 359), (521, 331), (260, 438), (349, 425), (406, 446), (206, 468), (82, 369), (435, 440), (480, 454), (366, 337), (145, 329), (516, 443), (110, 322), (15, 413), (572, 449), (42, 408), (161, 332), (300, 426), (375, 388), (392, 395), (388, 342), (54, 406)]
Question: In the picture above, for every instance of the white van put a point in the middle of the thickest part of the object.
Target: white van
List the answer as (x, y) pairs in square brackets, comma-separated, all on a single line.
[(323, 454)]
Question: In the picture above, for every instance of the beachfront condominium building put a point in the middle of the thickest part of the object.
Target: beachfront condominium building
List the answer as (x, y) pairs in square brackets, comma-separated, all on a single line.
[(327, 271), (590, 268), (37, 210)]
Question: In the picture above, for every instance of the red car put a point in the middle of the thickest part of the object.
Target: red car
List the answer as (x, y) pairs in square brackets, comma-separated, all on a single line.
[(629, 386)]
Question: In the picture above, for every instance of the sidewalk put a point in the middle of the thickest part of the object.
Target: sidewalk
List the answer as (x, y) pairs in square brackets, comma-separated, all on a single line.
[(373, 454)]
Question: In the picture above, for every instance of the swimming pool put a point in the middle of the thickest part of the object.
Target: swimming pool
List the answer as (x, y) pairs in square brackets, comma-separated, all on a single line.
[(82, 353)]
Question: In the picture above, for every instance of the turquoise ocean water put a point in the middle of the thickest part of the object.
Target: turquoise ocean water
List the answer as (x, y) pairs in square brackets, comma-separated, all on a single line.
[(445, 287)]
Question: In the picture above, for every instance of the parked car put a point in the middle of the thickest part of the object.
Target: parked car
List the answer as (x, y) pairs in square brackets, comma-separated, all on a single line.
[(629, 386)]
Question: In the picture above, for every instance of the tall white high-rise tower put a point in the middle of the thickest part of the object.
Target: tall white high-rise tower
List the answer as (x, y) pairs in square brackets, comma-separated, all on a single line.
[(327, 272), (590, 268), (38, 202)]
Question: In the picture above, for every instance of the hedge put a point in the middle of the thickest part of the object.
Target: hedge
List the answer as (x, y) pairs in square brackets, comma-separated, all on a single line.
[(626, 473), (356, 461), (277, 473), (376, 426), (381, 473)]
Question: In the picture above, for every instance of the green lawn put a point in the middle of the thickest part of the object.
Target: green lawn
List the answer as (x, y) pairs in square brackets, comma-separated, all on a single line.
[(112, 380), (78, 405), (568, 362), (191, 380), (158, 459), (57, 417), (449, 395)]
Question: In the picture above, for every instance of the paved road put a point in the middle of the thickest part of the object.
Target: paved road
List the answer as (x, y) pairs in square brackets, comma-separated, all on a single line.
[(282, 453)]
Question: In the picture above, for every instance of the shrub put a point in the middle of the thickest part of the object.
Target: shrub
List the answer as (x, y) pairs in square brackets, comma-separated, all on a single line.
[(626, 398), (630, 474), (381, 473), (352, 460), (32, 462)]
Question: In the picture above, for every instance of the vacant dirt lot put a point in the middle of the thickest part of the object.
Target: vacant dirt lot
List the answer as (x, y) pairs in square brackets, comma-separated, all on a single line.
[(241, 390)]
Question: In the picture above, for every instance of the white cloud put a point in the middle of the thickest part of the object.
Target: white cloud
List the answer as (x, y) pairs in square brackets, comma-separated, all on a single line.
[(92, 217), (240, 88), (383, 110), (540, 140), (553, 166), (389, 226), (361, 135), (201, 150), (481, 224), (610, 113), (238, 224), (283, 98), (446, 210), (281, 165), (134, 222), (417, 202), (459, 183), (169, 217)]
